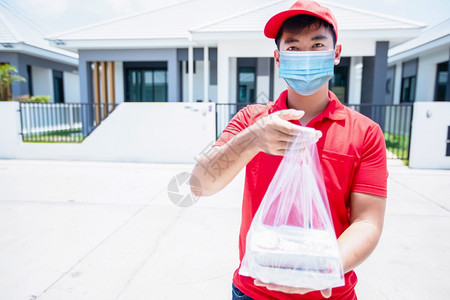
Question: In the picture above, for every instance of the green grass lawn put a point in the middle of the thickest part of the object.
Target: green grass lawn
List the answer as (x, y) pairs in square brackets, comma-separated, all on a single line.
[(58, 136), (397, 144)]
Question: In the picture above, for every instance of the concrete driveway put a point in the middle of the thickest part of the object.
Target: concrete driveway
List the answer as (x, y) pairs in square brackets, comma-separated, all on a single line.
[(87, 230)]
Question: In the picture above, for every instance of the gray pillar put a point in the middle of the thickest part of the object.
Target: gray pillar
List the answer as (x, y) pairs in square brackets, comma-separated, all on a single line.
[(380, 73), (374, 75), (85, 77), (22, 87), (367, 80), (373, 89)]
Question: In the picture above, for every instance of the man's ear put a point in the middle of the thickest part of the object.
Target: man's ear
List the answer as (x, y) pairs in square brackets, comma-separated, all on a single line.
[(337, 54), (276, 55)]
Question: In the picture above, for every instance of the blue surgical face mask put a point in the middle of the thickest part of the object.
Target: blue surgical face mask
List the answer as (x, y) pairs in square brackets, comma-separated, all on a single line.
[(306, 71)]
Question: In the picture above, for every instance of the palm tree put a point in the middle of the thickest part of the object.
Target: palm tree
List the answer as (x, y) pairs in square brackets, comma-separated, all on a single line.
[(6, 79)]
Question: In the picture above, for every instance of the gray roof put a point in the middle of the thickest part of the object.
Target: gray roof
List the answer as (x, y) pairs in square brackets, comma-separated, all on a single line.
[(438, 35), (19, 31), (189, 18), (349, 18), (169, 22)]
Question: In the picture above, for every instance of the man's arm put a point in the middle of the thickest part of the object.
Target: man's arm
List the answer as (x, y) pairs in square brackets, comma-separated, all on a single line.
[(366, 223), (271, 134)]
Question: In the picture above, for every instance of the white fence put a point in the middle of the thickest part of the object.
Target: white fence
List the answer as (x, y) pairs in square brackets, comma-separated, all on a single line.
[(133, 132), (37, 118)]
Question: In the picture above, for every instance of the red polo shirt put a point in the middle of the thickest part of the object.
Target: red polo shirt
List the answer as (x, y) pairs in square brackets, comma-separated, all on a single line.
[(352, 152)]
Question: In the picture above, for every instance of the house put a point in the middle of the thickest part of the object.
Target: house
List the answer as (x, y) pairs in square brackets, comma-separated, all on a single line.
[(418, 72), (48, 70), (418, 69), (200, 50)]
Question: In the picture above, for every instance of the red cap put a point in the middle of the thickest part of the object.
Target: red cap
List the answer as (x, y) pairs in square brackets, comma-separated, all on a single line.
[(301, 7)]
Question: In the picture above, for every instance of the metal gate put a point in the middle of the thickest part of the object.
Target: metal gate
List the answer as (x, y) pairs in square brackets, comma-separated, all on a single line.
[(394, 120)]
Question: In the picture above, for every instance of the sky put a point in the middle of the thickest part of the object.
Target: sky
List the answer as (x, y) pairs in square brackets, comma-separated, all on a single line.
[(62, 15)]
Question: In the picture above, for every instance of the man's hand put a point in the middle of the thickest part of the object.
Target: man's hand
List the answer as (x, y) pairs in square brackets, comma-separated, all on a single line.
[(274, 131), (271, 134), (290, 290)]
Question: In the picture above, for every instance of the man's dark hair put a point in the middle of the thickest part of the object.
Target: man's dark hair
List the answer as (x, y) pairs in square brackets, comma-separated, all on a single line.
[(297, 23)]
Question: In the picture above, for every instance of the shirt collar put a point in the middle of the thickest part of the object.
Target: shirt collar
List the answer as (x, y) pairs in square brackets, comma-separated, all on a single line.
[(334, 110)]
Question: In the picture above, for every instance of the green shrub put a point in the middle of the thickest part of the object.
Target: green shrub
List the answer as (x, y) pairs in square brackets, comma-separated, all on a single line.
[(39, 99), (33, 99)]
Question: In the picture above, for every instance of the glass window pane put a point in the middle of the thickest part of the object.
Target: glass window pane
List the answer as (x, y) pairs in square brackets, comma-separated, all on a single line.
[(160, 93), (338, 82), (247, 76), (147, 85), (148, 77), (160, 77), (412, 89), (442, 77), (441, 81), (408, 89), (133, 85), (160, 85)]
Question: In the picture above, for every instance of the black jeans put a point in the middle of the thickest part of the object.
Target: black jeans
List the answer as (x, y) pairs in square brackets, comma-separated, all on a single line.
[(238, 295)]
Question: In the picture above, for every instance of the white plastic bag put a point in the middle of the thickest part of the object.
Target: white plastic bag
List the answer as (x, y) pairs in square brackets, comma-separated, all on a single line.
[(291, 240)]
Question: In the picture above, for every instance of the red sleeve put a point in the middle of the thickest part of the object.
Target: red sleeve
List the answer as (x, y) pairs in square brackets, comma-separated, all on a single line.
[(243, 119), (371, 174)]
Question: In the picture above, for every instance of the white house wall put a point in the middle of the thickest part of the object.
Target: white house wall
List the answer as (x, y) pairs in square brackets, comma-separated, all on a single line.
[(358, 47), (355, 80), (119, 82), (42, 82), (212, 93), (198, 83), (426, 74), (263, 86), (227, 49), (71, 83), (429, 135), (398, 82), (232, 81)]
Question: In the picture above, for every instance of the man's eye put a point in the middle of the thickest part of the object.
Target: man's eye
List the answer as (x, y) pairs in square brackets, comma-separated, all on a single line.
[(291, 48), (317, 45)]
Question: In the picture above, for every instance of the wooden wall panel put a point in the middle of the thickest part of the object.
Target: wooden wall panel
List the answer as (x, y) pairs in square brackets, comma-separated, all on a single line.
[(111, 85), (95, 75)]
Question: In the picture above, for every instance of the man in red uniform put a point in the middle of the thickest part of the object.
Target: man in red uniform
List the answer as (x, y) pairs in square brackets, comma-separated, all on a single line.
[(351, 150)]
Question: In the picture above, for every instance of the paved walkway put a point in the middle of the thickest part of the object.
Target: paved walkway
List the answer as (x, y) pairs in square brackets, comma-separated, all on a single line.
[(86, 230)]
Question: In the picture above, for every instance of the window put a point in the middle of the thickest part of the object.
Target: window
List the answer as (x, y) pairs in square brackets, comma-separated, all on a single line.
[(247, 84), (338, 83), (447, 153), (58, 87), (441, 82), (147, 85), (29, 80), (409, 75), (408, 89)]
